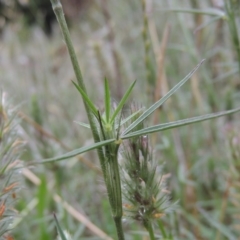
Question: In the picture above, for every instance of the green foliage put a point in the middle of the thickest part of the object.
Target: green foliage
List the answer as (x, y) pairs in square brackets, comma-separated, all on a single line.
[(202, 159), (42, 197), (78, 151), (60, 231)]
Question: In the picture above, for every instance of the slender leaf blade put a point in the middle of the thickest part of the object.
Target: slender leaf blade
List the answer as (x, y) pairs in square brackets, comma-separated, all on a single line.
[(226, 231), (122, 102), (77, 151), (86, 99), (161, 101), (205, 24), (83, 124), (59, 229), (208, 11), (179, 123), (107, 98), (130, 117)]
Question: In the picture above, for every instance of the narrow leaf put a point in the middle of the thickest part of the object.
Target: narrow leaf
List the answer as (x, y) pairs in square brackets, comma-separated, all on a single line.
[(205, 24), (122, 102), (59, 229), (209, 11), (77, 151), (161, 101), (83, 124), (130, 117), (226, 231), (119, 124), (107, 100), (165, 126), (86, 99)]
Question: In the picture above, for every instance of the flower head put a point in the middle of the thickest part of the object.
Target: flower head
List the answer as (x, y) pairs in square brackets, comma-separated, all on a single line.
[(143, 188)]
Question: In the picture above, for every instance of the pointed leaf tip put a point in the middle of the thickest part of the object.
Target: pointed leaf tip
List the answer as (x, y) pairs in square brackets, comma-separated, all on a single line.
[(179, 123), (59, 229), (122, 102), (77, 151), (157, 104)]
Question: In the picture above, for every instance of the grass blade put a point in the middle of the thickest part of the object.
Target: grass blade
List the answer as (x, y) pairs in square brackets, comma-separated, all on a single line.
[(107, 100), (77, 151), (233, 27), (219, 226), (59, 229), (205, 24), (83, 124), (209, 11), (161, 101), (86, 99), (122, 102), (175, 124), (130, 117)]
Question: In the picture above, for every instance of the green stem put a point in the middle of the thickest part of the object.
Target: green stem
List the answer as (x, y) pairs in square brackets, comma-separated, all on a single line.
[(233, 28), (57, 8), (146, 42), (118, 224), (147, 224), (117, 186), (114, 187), (111, 175)]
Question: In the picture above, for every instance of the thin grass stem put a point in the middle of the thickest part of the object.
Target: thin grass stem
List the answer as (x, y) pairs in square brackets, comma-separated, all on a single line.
[(149, 228), (113, 183), (57, 8), (229, 5)]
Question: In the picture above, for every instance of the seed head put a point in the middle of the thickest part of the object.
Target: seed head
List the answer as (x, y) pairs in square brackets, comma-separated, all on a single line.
[(143, 188), (10, 150)]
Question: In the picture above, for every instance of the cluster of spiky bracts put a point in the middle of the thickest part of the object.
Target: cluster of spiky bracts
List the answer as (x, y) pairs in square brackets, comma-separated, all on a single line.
[(10, 149), (144, 195)]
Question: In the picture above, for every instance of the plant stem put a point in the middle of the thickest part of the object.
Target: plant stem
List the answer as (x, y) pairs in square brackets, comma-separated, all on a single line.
[(233, 28), (148, 226), (115, 198), (147, 60), (110, 173), (118, 224), (118, 191), (57, 8), (115, 56)]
